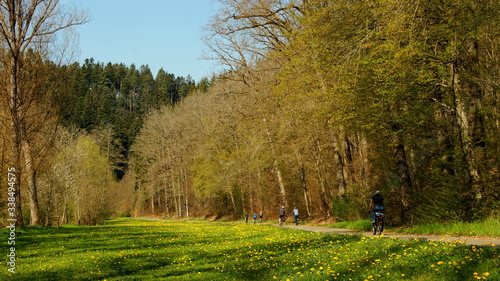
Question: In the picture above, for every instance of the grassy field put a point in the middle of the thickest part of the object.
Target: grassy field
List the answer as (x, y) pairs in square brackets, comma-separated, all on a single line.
[(131, 249)]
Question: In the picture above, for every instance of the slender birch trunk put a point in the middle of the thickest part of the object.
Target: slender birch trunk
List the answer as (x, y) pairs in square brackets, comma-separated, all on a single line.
[(276, 169)]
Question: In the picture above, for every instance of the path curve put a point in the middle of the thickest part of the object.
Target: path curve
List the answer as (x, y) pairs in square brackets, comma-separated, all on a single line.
[(478, 241)]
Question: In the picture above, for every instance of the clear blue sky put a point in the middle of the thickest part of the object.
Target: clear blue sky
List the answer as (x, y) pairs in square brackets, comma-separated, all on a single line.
[(160, 33)]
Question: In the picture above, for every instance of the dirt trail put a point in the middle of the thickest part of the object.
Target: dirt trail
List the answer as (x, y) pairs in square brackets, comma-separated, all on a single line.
[(479, 241)]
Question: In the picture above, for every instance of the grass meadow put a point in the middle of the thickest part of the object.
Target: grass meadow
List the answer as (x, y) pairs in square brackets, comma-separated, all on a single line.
[(133, 249)]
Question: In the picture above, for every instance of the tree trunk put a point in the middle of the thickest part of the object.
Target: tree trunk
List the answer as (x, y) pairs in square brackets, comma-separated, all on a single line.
[(405, 185), (167, 205), (403, 174), (303, 181), (233, 202), (174, 195), (16, 164), (31, 180), (339, 164), (325, 207), (186, 195), (465, 128), (276, 169), (152, 204)]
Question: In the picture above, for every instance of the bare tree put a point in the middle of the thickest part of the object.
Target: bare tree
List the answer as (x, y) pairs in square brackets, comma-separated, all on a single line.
[(244, 32), (27, 26)]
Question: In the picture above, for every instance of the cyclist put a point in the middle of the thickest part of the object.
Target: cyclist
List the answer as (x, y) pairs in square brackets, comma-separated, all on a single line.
[(376, 204)]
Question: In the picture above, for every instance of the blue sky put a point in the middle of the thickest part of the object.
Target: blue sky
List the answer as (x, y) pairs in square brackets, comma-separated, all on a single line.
[(160, 33)]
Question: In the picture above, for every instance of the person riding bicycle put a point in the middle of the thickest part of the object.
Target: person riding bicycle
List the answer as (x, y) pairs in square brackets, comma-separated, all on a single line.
[(377, 202)]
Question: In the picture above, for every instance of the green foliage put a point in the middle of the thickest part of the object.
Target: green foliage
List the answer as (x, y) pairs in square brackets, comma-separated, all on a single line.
[(76, 184), (124, 215), (115, 96), (488, 227), (347, 208), (130, 249), (359, 225)]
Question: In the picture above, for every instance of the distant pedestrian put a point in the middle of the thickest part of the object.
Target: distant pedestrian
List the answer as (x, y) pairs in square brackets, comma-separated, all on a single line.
[(296, 215), (254, 218), (261, 214), (281, 215), (246, 217)]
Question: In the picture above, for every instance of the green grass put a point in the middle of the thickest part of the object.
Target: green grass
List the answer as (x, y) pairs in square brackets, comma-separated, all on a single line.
[(131, 249), (359, 225), (489, 227)]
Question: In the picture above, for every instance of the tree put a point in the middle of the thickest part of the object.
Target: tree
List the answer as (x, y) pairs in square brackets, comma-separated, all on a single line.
[(244, 32), (27, 26), (76, 185)]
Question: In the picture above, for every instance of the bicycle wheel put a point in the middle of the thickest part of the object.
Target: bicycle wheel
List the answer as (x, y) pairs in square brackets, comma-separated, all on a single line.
[(374, 228)]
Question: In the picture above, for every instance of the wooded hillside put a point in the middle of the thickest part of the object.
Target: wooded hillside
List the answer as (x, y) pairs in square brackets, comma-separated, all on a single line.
[(322, 104)]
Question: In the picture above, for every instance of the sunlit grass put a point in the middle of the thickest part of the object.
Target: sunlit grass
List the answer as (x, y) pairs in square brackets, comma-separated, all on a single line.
[(129, 249), (489, 227), (359, 225)]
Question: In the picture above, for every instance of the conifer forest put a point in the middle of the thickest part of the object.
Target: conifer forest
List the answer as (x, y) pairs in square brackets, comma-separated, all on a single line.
[(320, 104)]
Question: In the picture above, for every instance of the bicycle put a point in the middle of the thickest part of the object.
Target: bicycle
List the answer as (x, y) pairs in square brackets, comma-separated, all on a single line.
[(281, 220), (378, 225)]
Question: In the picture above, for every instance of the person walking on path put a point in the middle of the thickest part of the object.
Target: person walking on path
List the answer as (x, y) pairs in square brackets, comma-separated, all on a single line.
[(296, 215), (261, 214), (254, 218), (246, 217), (281, 215)]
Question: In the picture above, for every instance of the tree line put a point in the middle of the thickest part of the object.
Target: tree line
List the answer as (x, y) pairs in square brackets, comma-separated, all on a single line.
[(321, 104), (324, 102), (96, 110), (67, 128)]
